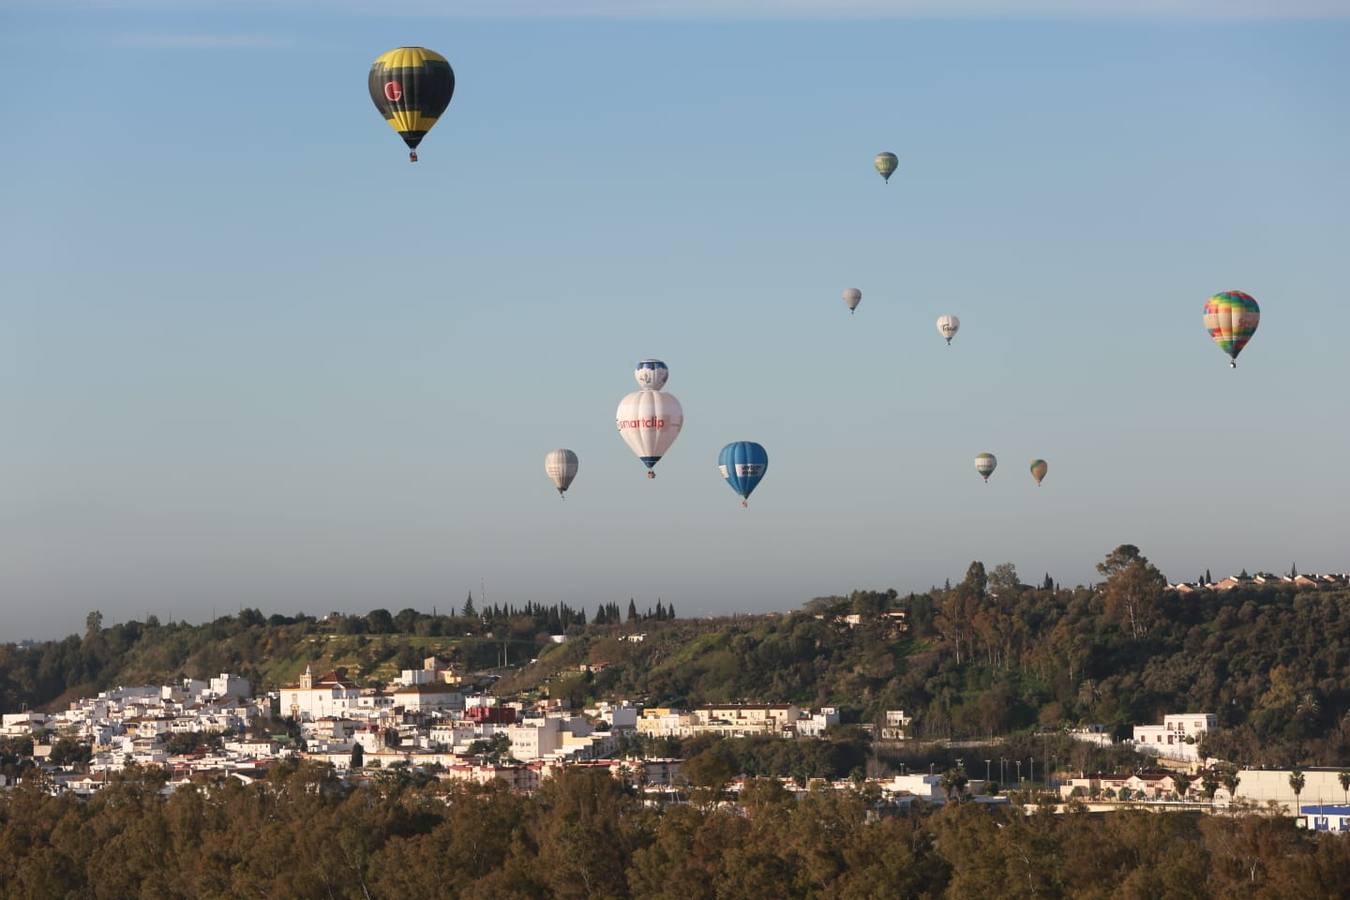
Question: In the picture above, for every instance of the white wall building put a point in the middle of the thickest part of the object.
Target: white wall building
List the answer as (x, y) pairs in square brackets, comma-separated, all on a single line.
[(227, 685), (315, 697), (815, 725), (1178, 737)]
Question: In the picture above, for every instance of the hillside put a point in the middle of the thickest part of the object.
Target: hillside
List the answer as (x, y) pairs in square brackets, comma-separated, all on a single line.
[(988, 656)]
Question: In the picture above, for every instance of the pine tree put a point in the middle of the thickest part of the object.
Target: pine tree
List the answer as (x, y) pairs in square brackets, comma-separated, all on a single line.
[(632, 610), (670, 611), (660, 610), (1209, 579), (469, 612), (1293, 570)]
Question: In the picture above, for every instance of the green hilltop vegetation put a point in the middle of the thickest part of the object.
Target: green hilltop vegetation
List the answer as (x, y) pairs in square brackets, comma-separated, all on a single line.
[(990, 655)]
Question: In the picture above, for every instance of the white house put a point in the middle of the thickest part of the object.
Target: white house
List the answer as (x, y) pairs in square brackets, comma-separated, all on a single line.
[(227, 685), (815, 725), (314, 698), (1326, 817), (894, 725), (427, 696), (1178, 737)]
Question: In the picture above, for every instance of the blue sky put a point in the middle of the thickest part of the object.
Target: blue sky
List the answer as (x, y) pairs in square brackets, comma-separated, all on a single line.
[(250, 356)]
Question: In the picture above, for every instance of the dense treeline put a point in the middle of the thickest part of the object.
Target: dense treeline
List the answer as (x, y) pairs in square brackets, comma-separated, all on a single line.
[(991, 655), (303, 835)]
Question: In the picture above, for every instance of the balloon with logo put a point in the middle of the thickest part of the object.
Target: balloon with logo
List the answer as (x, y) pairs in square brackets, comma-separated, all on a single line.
[(649, 422), (852, 297), (985, 464), (561, 467), (947, 326), (411, 87), (886, 164), (651, 374), (1231, 318), (1038, 469), (743, 464)]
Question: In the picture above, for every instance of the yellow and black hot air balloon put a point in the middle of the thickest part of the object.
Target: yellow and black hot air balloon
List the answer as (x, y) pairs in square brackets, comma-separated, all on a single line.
[(411, 87)]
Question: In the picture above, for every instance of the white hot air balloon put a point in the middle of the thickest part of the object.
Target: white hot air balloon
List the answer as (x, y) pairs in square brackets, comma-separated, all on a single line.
[(561, 467), (852, 297), (651, 374), (649, 422), (985, 464), (947, 326)]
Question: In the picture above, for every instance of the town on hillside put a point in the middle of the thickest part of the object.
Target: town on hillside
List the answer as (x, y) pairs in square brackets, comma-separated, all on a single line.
[(438, 723)]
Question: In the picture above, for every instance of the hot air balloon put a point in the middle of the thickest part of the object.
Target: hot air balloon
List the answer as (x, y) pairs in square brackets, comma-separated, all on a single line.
[(885, 164), (651, 374), (1231, 318), (852, 297), (561, 467), (743, 464), (411, 87), (985, 464), (649, 422), (1038, 469), (948, 326)]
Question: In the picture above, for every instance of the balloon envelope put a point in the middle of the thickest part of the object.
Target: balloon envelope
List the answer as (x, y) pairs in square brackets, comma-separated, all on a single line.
[(1231, 318), (651, 374), (649, 422), (947, 326), (852, 297), (743, 464), (1038, 469), (561, 467), (985, 464), (411, 87), (886, 164)]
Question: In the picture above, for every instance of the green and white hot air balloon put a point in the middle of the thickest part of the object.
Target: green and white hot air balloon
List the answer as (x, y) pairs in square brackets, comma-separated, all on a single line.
[(985, 464), (886, 164)]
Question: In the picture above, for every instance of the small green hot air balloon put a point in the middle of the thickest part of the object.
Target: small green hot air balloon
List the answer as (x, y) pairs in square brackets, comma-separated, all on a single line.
[(1038, 469), (886, 164), (985, 463)]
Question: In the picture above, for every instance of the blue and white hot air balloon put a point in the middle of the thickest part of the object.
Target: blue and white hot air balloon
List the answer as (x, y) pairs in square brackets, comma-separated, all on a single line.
[(651, 374), (743, 465)]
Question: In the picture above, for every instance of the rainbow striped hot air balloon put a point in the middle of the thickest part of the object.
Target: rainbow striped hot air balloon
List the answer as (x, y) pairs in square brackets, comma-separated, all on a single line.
[(1231, 318)]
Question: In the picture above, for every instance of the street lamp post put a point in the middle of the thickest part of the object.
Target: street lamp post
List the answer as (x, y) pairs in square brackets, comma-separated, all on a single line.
[(986, 774), (1019, 773)]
